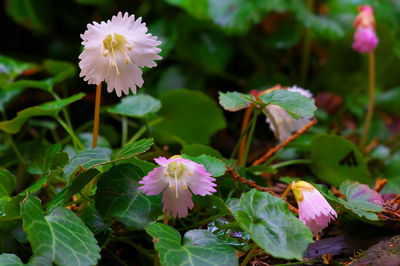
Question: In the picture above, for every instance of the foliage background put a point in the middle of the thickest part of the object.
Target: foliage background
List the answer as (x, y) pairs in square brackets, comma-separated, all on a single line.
[(223, 45)]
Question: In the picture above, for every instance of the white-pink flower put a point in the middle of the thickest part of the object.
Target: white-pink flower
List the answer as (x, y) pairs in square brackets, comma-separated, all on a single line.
[(314, 210), (177, 179), (114, 52), (280, 122)]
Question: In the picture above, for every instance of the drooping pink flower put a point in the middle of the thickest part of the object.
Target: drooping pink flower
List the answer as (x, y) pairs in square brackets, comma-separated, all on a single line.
[(365, 38), (115, 51), (177, 179), (314, 211)]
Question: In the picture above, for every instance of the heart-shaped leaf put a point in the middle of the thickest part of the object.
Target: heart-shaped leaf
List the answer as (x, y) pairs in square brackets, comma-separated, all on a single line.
[(61, 236), (271, 225), (118, 196), (199, 247)]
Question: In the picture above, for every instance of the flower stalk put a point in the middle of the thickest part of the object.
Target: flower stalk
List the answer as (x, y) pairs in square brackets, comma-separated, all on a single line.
[(96, 120), (371, 98)]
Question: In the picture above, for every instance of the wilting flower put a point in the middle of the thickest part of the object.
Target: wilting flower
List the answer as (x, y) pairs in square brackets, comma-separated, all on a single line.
[(177, 178), (280, 122), (314, 210), (365, 38), (114, 51)]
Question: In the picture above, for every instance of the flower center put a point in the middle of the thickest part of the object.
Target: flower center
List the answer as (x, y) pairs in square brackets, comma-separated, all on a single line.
[(298, 189), (116, 44)]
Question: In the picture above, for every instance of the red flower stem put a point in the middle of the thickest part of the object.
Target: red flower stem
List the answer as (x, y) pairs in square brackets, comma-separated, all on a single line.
[(243, 141), (270, 152), (96, 120), (371, 102)]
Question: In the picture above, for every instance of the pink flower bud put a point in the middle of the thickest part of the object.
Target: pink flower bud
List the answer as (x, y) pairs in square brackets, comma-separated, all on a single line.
[(314, 210), (365, 40)]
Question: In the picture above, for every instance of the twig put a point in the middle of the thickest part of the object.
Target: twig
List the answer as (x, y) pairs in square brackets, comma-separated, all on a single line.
[(270, 152), (253, 184), (380, 183)]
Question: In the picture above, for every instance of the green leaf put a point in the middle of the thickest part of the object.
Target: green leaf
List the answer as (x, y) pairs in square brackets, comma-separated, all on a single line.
[(7, 96), (166, 34), (188, 117), (197, 8), (196, 149), (214, 166), (322, 26), (295, 104), (13, 68), (199, 247), (80, 182), (47, 109), (48, 158), (60, 71), (362, 200), (61, 236), (238, 16), (234, 101), (343, 161), (207, 49), (118, 197), (136, 106), (93, 220), (10, 212), (7, 182), (133, 149), (389, 100), (87, 137), (27, 13), (271, 225), (10, 260), (86, 159), (42, 181)]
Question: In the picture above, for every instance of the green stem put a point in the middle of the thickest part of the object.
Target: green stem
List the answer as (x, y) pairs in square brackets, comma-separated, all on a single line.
[(64, 110), (77, 143), (3, 219), (138, 134), (291, 162), (12, 143), (15, 149), (249, 256), (143, 130), (242, 136), (298, 262), (250, 137), (124, 133)]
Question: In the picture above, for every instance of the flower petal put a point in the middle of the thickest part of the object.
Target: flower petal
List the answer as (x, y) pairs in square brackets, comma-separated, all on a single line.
[(177, 206)]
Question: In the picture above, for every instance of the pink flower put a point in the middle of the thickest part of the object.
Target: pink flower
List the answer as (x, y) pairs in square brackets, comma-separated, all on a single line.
[(115, 51), (177, 178), (314, 210), (365, 40)]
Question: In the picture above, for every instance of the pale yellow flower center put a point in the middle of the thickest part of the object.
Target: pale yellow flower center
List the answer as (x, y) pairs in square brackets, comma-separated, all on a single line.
[(176, 171), (299, 187), (114, 44)]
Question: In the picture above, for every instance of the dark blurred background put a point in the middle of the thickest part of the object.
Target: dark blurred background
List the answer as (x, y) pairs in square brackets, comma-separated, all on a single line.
[(221, 45)]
